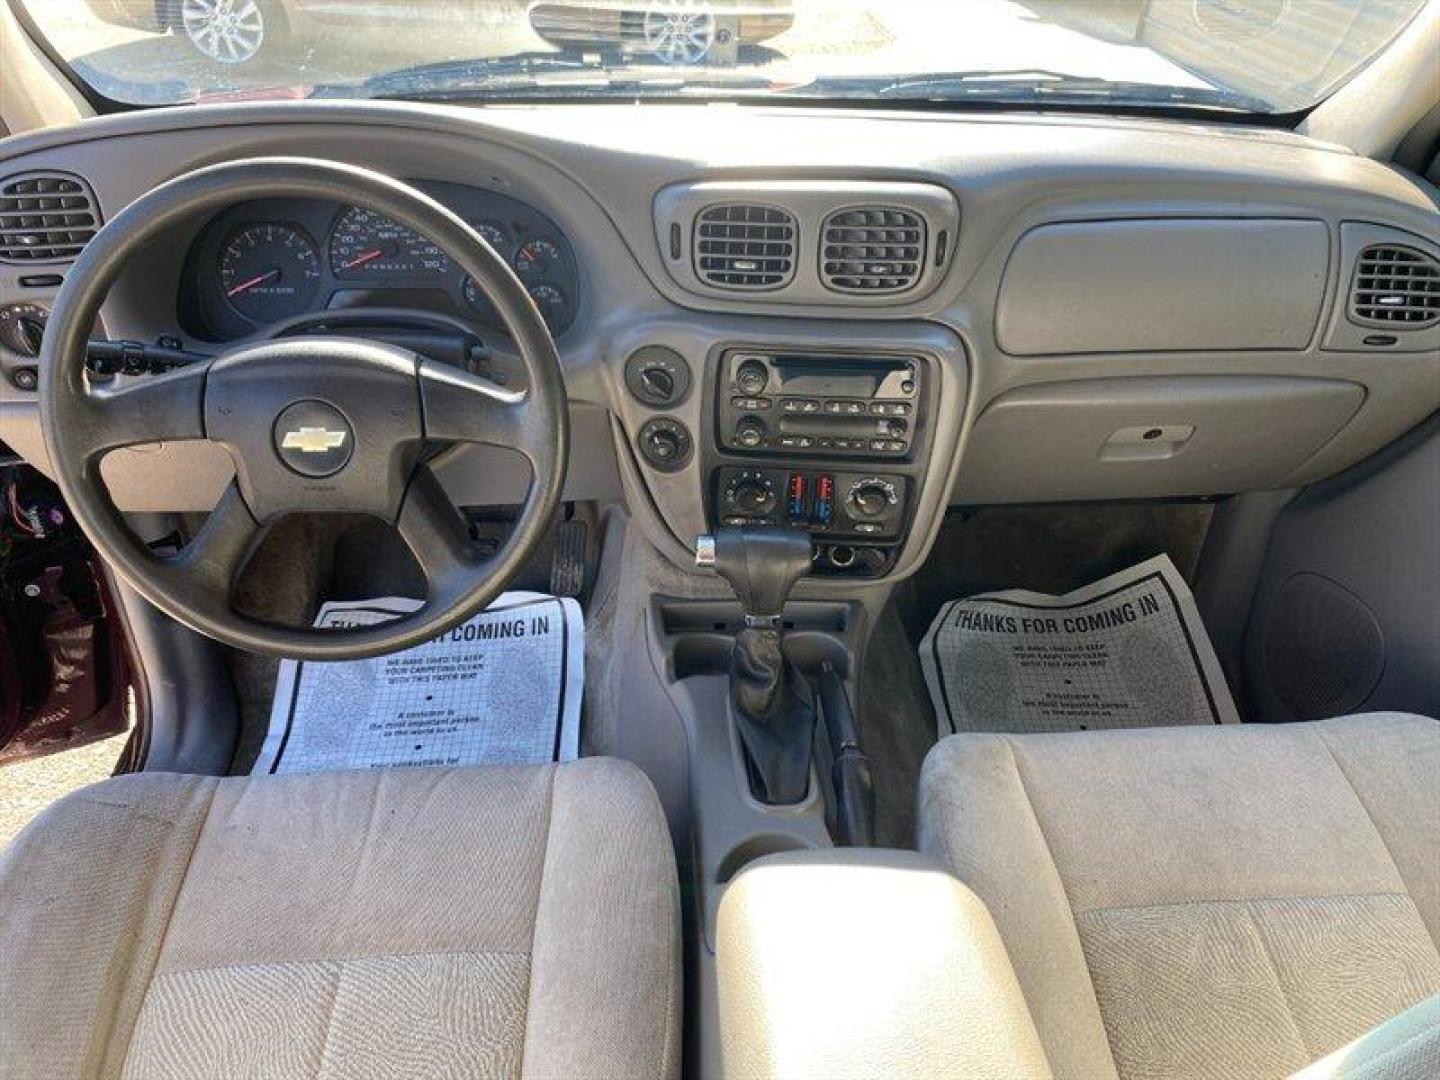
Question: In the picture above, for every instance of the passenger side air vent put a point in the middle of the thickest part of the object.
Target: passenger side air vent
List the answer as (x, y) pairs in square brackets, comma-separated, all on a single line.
[(1396, 287), (872, 249), (740, 246), (45, 217)]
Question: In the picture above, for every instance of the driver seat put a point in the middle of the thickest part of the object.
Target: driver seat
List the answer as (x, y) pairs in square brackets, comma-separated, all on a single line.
[(488, 922)]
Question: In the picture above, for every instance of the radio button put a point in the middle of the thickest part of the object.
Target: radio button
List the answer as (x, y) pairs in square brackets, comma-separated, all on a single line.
[(799, 405), (752, 376), (750, 432)]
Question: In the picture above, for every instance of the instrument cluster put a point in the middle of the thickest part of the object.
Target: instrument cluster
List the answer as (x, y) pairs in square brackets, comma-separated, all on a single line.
[(266, 261)]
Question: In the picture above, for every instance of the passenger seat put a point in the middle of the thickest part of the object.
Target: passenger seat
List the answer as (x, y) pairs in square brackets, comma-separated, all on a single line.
[(1233, 901)]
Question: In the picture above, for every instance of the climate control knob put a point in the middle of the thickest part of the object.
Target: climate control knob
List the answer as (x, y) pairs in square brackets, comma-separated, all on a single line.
[(750, 432), (750, 494), (870, 498)]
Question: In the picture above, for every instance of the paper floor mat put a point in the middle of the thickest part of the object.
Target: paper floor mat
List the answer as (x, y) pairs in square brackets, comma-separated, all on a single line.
[(1127, 651), (501, 689)]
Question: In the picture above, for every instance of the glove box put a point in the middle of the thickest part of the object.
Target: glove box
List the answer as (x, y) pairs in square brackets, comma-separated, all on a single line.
[(1150, 437)]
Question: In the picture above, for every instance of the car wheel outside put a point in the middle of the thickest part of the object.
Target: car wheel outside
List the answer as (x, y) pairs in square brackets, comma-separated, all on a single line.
[(679, 31), (230, 31)]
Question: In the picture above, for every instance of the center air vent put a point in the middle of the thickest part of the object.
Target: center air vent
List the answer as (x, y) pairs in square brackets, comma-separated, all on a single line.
[(872, 249), (1396, 286), (740, 246), (45, 217)]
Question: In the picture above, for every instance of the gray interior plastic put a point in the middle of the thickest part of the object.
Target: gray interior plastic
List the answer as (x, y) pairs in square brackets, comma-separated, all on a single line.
[(598, 170), (1173, 284), (1138, 437), (1373, 533), (810, 202), (1343, 333)]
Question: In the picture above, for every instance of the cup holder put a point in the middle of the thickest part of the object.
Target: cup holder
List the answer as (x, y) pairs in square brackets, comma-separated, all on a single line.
[(756, 847)]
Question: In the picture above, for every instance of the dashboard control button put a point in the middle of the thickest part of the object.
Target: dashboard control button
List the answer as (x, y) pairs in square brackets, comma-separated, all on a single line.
[(752, 376), (657, 376), (658, 382), (665, 443), (21, 328), (870, 498), (824, 499), (751, 494), (750, 432)]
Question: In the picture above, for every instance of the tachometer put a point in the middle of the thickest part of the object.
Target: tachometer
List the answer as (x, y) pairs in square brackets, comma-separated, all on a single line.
[(269, 272), (367, 244)]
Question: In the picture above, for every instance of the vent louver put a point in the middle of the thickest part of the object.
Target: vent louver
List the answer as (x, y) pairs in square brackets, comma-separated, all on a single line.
[(45, 217), (872, 249), (742, 246), (1396, 287)]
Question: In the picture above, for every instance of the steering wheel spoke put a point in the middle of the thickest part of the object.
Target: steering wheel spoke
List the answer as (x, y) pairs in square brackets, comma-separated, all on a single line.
[(153, 408), (216, 555), (436, 534), (460, 407)]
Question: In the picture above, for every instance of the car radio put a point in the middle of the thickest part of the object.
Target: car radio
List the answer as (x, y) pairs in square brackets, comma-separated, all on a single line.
[(836, 406)]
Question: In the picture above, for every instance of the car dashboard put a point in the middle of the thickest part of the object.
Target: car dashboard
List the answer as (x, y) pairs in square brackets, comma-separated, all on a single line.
[(266, 262), (840, 321)]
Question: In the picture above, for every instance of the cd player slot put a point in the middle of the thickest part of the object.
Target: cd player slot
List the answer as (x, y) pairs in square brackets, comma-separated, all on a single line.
[(848, 405)]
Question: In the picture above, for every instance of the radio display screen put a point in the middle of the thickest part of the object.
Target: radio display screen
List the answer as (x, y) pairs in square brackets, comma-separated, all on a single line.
[(859, 378)]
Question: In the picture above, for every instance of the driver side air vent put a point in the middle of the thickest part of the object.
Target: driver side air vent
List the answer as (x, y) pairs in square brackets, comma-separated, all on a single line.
[(872, 249), (741, 246), (1396, 287), (45, 217)]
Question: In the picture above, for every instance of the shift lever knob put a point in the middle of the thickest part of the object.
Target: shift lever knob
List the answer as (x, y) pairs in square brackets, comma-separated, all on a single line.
[(761, 564)]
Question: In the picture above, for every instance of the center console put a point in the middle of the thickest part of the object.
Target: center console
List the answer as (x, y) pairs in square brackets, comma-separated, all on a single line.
[(824, 442)]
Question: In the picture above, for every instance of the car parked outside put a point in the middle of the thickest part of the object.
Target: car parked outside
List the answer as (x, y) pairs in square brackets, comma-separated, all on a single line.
[(672, 31)]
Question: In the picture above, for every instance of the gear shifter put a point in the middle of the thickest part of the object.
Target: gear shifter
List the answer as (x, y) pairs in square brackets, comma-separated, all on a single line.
[(774, 704)]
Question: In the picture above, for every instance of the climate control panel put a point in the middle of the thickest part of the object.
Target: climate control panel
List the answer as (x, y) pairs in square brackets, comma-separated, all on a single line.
[(850, 505)]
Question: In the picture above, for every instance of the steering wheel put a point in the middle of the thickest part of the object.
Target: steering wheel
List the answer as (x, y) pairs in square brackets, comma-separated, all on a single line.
[(313, 424)]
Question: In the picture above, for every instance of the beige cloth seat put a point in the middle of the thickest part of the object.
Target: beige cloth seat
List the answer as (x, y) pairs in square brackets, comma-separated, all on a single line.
[(1233, 901), (497, 922)]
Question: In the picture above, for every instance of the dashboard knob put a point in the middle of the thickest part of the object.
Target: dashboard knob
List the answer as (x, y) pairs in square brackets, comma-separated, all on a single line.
[(751, 496), (752, 377), (659, 383), (869, 498), (750, 432), (665, 445)]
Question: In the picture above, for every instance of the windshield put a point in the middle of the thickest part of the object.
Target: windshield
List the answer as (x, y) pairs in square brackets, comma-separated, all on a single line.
[(1235, 56)]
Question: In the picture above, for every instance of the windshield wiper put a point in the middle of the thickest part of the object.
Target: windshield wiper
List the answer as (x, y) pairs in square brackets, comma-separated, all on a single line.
[(539, 74), (1033, 86)]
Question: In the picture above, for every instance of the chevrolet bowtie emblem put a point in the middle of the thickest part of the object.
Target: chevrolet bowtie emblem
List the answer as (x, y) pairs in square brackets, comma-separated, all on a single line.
[(313, 440)]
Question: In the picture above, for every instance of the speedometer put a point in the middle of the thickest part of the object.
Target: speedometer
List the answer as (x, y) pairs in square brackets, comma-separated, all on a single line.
[(366, 244)]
